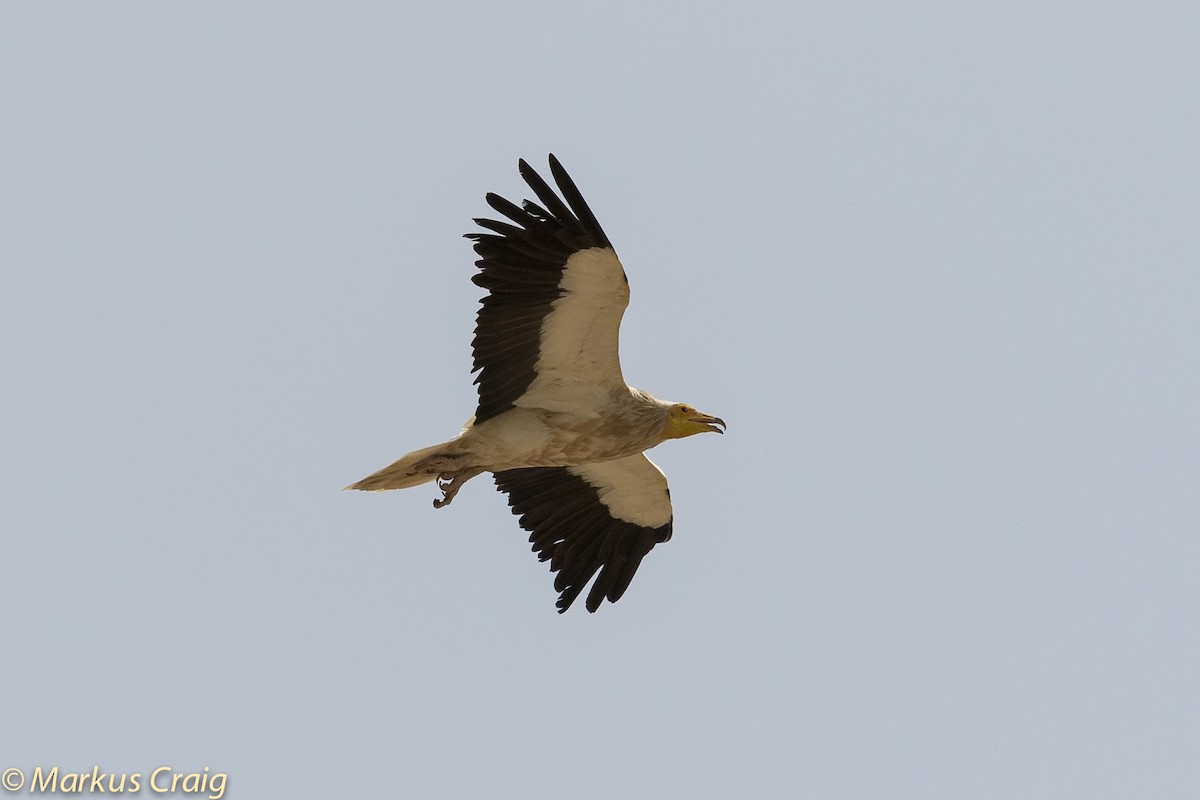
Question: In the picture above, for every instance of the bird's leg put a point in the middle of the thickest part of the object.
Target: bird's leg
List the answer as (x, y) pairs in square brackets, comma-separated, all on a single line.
[(451, 482)]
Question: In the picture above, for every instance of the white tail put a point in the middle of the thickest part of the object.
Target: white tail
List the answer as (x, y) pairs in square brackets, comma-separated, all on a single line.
[(402, 474)]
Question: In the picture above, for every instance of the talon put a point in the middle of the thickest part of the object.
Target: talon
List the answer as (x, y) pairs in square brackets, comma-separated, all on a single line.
[(450, 483)]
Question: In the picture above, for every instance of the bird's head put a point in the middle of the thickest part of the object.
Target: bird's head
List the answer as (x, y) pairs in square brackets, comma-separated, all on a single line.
[(683, 420)]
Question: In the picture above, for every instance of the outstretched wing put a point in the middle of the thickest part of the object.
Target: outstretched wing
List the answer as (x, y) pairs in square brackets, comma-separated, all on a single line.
[(592, 518), (546, 333)]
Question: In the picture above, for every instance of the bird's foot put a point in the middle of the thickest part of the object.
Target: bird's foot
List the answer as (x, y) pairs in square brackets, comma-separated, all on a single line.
[(451, 482)]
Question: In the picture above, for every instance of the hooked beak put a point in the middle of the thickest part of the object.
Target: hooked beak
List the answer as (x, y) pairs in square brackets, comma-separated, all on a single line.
[(710, 422)]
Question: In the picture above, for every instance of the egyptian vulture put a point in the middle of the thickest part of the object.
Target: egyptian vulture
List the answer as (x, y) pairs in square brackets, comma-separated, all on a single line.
[(556, 425)]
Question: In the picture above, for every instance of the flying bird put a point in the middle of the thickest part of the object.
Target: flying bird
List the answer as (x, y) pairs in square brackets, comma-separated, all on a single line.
[(556, 425)]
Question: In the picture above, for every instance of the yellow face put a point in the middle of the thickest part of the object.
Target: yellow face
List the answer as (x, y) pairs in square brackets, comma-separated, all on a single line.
[(683, 420)]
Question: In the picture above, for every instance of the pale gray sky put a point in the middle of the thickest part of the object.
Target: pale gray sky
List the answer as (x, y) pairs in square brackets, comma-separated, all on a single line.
[(937, 266)]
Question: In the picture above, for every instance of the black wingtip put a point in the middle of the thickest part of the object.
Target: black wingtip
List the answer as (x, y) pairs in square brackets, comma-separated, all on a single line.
[(578, 205)]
